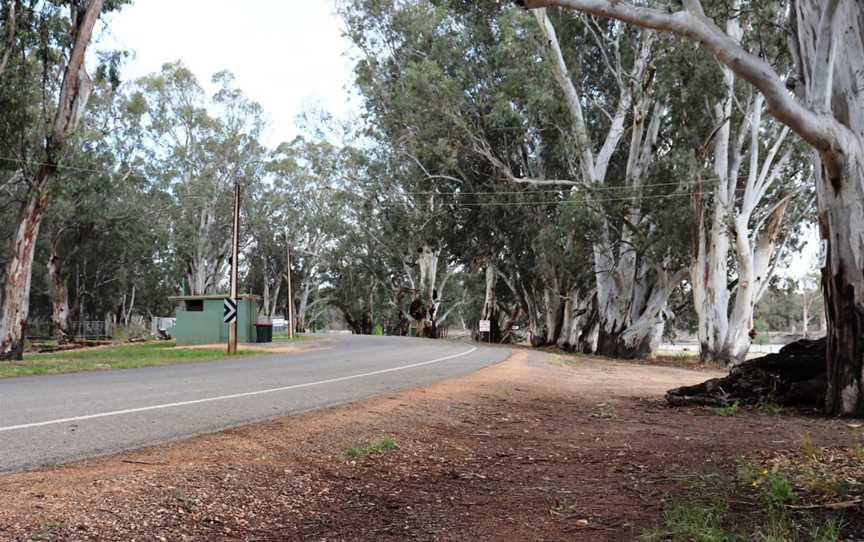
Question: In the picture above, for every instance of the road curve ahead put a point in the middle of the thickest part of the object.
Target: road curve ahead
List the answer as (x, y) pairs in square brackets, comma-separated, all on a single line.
[(53, 419)]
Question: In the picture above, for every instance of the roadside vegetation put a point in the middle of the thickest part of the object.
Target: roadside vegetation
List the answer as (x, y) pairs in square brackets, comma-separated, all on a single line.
[(800, 497), (129, 356), (374, 448)]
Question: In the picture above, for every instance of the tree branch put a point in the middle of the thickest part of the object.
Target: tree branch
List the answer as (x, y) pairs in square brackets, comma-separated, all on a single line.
[(819, 129)]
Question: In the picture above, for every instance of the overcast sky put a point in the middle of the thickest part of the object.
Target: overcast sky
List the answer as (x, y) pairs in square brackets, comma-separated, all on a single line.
[(285, 54)]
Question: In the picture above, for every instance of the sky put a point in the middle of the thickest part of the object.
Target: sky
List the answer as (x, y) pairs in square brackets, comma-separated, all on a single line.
[(285, 54)]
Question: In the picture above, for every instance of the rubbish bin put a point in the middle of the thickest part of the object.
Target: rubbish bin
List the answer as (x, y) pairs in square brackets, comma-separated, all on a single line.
[(264, 333)]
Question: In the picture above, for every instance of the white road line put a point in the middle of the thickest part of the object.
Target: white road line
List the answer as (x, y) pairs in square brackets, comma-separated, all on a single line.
[(232, 396)]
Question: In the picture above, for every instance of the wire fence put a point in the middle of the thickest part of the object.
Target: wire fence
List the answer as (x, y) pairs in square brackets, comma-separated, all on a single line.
[(87, 330)]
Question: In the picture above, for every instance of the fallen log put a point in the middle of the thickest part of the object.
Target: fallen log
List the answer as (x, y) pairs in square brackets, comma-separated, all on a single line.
[(796, 376)]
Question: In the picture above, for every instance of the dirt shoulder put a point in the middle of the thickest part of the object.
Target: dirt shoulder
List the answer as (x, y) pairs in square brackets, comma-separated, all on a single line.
[(530, 449)]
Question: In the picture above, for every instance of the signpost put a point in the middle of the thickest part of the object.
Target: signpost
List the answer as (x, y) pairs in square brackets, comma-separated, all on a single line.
[(229, 311), (486, 327), (232, 330)]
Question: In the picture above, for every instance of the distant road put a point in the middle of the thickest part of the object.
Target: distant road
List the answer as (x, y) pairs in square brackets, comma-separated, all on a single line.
[(53, 419)]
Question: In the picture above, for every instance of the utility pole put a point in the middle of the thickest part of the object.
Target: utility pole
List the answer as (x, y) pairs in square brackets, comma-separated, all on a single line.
[(290, 290), (235, 250)]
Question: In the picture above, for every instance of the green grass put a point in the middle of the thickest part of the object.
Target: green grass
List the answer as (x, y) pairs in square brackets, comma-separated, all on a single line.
[(376, 448), (113, 357), (768, 408), (703, 513), (727, 411)]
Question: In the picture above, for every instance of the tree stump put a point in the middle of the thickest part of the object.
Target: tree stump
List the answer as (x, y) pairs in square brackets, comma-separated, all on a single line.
[(796, 376)]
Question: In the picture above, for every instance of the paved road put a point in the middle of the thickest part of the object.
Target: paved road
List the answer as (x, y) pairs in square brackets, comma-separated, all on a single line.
[(58, 418)]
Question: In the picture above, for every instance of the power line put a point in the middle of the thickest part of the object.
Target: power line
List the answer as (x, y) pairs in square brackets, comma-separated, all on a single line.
[(582, 193), (71, 168), (562, 201), (587, 188)]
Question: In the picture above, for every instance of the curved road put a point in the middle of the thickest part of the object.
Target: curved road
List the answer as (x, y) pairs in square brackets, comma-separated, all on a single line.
[(52, 419)]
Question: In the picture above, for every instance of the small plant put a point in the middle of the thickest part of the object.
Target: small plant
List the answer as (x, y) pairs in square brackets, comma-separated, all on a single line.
[(768, 407), (777, 489), (774, 488), (602, 411), (686, 521), (808, 448), (49, 530), (727, 411), (376, 448), (826, 531), (183, 500)]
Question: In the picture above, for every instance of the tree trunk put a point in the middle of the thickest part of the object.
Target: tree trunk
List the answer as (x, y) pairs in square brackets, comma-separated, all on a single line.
[(303, 306), (127, 316), (554, 312), (19, 274), (490, 305), (841, 219), (58, 293)]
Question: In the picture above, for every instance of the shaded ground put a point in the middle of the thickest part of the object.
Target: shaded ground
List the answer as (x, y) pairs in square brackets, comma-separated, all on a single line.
[(531, 449)]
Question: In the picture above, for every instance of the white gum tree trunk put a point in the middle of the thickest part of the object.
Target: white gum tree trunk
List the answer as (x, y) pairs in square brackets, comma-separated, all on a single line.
[(58, 292), (828, 45), (580, 329), (490, 302), (429, 291), (73, 97), (621, 283), (724, 330), (208, 261)]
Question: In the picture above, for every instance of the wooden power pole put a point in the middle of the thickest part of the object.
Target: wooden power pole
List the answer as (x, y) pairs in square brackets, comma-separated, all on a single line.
[(235, 250)]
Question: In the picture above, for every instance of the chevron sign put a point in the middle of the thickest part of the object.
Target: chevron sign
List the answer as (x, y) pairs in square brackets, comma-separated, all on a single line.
[(229, 312)]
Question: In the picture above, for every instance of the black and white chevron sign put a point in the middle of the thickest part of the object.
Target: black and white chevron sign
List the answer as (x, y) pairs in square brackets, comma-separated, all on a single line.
[(229, 311)]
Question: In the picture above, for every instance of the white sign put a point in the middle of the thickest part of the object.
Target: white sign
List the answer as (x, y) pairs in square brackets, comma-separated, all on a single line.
[(823, 254), (485, 326), (229, 310)]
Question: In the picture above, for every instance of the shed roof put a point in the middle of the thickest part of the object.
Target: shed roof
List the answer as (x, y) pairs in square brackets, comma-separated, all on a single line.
[(210, 297)]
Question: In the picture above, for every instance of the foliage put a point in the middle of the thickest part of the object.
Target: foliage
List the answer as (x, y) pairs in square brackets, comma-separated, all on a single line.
[(375, 448), (704, 513)]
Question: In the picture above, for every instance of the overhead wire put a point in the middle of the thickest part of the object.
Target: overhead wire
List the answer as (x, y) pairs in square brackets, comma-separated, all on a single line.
[(574, 194)]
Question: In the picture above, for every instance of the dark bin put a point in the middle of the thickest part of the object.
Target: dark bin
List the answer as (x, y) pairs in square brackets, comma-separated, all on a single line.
[(264, 333)]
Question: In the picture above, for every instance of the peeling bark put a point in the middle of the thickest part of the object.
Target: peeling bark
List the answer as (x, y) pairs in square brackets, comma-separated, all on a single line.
[(74, 94)]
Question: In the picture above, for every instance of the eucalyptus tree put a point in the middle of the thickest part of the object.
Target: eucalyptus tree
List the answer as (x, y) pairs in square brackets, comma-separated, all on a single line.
[(827, 43), (458, 136), (635, 276), (45, 92), (199, 147), (298, 214)]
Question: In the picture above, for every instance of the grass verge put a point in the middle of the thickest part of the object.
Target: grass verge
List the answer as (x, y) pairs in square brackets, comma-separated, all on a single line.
[(771, 501), (113, 357)]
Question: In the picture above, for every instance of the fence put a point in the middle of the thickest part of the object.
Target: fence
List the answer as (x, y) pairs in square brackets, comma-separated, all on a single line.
[(165, 325), (84, 330)]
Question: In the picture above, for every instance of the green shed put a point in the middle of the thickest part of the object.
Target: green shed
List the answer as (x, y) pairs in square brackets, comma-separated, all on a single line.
[(199, 319)]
